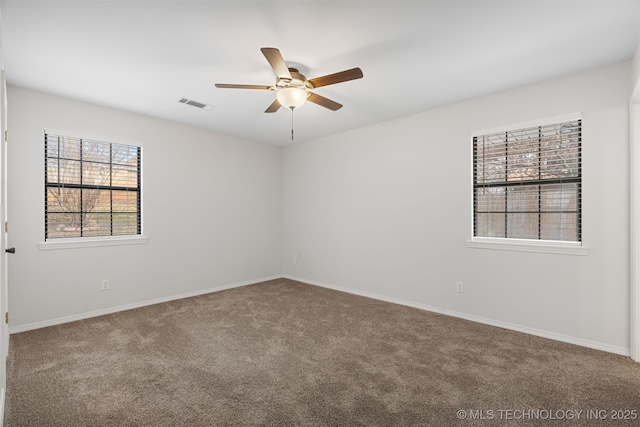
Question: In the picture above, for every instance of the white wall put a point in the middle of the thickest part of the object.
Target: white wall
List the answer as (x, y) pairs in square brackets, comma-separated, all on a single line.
[(383, 210), (211, 211), (386, 210)]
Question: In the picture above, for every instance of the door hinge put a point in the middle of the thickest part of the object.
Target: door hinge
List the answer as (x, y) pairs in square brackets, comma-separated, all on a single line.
[(6, 136), (6, 317), (6, 226)]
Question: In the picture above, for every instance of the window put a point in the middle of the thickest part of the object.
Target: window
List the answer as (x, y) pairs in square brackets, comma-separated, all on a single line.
[(92, 188), (527, 183)]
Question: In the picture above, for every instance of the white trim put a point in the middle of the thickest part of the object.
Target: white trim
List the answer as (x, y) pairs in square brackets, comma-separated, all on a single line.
[(89, 242), (524, 245), (634, 222), (529, 124), (478, 319), (3, 395), (110, 310)]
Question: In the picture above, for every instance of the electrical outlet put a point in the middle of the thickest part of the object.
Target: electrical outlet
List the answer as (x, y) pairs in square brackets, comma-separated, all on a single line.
[(105, 285), (459, 287), (294, 260)]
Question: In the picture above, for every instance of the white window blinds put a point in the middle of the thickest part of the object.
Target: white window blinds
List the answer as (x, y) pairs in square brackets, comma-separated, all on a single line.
[(527, 183), (92, 188)]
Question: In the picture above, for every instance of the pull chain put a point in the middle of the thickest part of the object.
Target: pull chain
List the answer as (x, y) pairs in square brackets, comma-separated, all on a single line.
[(292, 123)]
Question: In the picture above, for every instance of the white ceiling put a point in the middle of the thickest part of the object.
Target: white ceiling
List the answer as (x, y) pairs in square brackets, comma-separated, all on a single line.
[(144, 56)]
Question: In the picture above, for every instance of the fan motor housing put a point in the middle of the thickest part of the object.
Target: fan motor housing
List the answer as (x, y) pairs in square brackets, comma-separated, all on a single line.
[(297, 80)]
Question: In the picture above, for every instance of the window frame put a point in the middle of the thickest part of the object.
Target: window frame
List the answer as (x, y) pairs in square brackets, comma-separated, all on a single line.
[(94, 241), (521, 244)]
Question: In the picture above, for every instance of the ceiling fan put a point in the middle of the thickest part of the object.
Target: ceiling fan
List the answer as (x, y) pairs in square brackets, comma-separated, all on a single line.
[(292, 88)]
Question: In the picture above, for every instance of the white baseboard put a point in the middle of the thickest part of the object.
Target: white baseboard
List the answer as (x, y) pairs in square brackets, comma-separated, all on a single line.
[(110, 310), (479, 319)]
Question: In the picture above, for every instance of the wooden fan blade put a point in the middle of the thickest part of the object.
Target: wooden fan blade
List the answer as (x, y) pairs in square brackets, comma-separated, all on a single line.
[(331, 79), (273, 107), (276, 61), (324, 102), (231, 86)]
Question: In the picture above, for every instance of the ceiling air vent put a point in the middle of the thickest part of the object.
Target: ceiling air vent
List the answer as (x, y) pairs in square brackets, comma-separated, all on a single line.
[(196, 104)]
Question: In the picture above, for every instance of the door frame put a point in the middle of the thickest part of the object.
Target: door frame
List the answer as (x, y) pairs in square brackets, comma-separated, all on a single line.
[(4, 279), (4, 327), (634, 223)]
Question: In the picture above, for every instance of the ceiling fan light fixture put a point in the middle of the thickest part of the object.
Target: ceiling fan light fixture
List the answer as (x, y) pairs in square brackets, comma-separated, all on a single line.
[(291, 97), (291, 86)]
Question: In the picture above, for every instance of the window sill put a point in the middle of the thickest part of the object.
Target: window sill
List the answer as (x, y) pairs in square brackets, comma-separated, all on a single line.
[(522, 245), (88, 242)]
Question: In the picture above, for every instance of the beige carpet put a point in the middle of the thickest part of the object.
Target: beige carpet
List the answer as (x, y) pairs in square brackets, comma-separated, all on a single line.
[(283, 353)]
